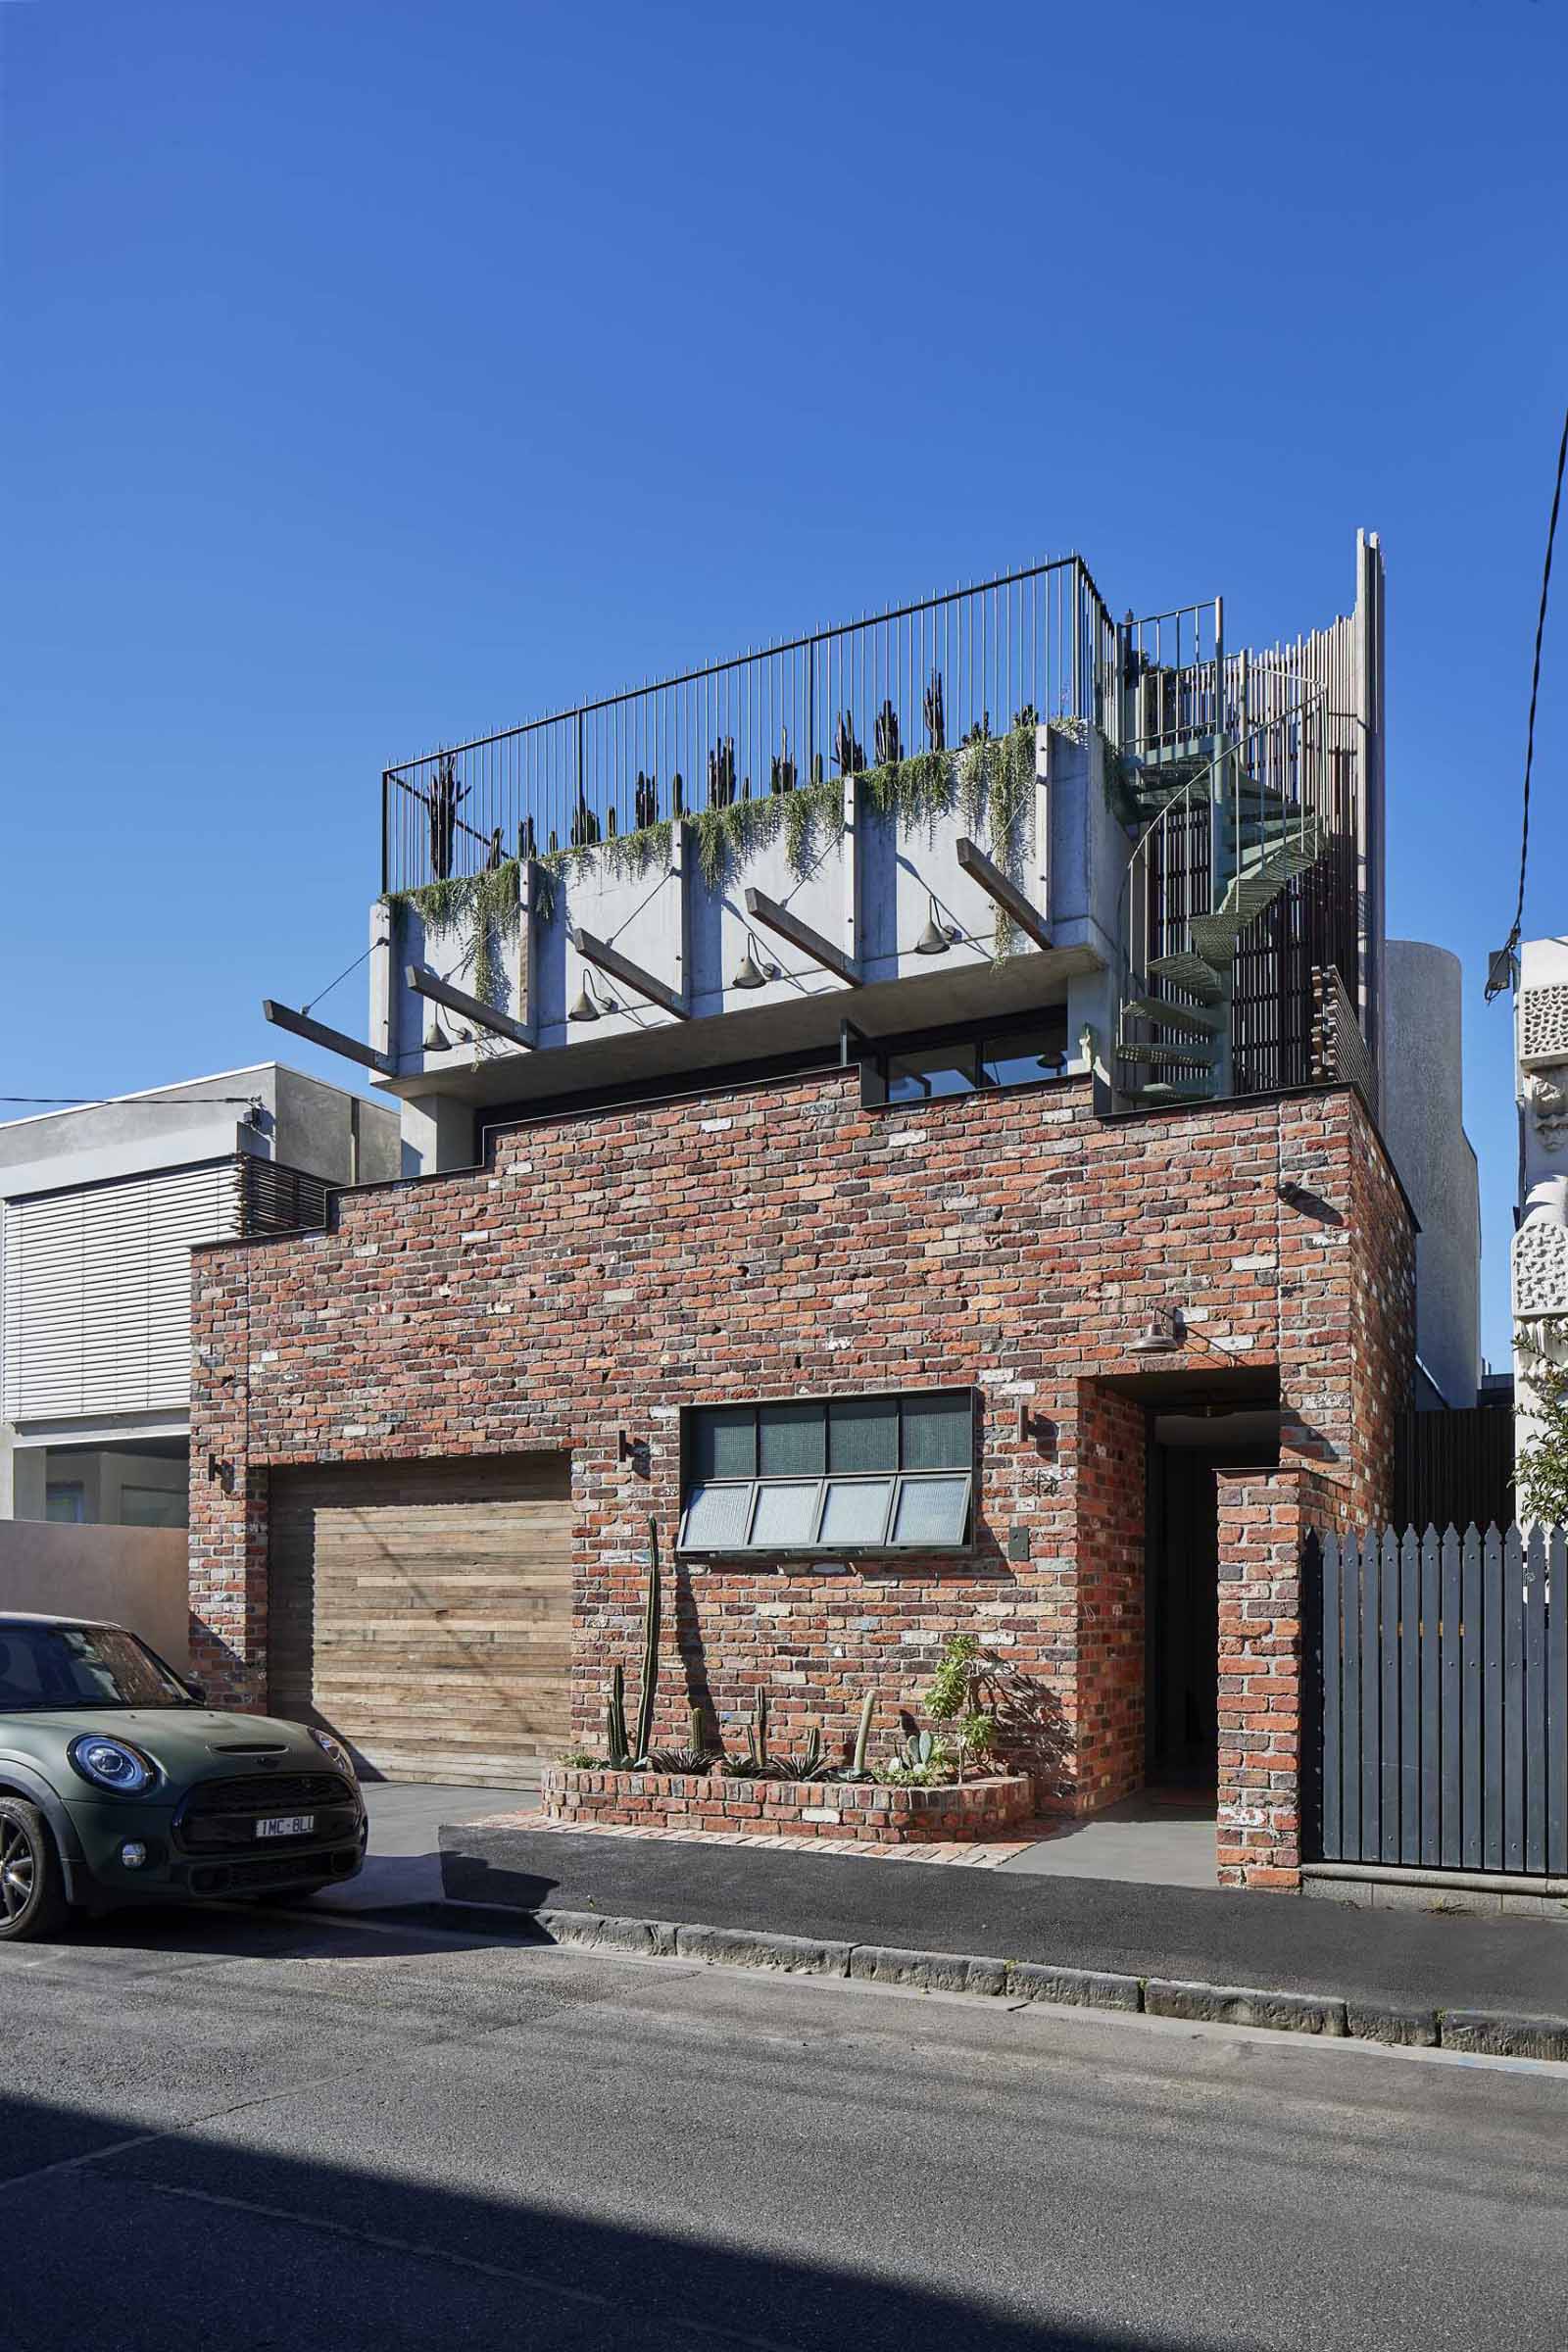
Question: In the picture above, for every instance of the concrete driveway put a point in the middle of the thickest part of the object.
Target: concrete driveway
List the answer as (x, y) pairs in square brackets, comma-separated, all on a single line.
[(404, 1861)]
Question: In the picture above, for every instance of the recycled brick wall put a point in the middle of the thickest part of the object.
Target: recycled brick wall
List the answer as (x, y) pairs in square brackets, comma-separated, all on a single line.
[(859, 1813), (611, 1267), (1264, 1517), (1110, 1606)]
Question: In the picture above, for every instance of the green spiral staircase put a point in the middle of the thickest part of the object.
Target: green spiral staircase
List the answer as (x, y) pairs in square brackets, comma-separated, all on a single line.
[(1225, 823)]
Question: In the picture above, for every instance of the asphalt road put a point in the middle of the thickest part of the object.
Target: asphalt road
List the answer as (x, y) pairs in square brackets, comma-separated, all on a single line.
[(238, 2130)]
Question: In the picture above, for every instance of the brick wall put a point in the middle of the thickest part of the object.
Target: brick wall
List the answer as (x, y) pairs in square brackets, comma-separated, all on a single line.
[(855, 1812), (611, 1267), (1264, 1516), (1109, 1602)]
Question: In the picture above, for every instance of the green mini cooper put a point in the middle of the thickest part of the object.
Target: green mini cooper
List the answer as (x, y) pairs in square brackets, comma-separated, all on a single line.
[(119, 1785)]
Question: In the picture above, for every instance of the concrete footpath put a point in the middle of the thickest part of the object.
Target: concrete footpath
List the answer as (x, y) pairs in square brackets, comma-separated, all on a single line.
[(1405, 1978)]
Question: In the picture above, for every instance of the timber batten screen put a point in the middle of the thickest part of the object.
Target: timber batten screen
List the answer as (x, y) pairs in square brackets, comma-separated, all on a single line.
[(422, 1610)]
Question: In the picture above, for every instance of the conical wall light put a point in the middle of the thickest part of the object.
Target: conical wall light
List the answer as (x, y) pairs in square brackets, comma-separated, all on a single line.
[(749, 972), (936, 939)]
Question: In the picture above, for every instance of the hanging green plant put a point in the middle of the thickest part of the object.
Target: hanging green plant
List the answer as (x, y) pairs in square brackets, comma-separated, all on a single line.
[(990, 778), (488, 904)]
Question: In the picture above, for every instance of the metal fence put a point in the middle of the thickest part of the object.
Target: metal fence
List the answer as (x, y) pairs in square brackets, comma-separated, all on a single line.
[(1440, 1672), (925, 676), (1453, 1464)]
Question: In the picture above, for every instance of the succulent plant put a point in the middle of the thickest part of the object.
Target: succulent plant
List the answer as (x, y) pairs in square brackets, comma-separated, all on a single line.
[(721, 773), (626, 1752), (617, 1750), (847, 749), (889, 741), (862, 1735), (936, 721)]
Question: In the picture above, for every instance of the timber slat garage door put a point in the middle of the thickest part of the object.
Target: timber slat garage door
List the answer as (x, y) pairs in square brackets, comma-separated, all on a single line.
[(423, 1611)]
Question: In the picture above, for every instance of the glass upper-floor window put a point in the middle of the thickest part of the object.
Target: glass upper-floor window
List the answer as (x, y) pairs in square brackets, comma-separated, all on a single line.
[(976, 1060), (840, 1475)]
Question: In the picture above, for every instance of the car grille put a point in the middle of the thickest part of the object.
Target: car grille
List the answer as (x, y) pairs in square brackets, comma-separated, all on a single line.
[(281, 1871), (220, 1816)]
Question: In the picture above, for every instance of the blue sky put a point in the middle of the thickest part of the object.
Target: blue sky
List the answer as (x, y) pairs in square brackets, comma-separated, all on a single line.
[(385, 372)]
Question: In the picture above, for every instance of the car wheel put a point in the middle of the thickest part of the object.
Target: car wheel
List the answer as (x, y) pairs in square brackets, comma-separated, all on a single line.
[(33, 1893)]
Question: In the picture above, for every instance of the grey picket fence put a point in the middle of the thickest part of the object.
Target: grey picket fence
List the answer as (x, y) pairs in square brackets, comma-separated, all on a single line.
[(1439, 1682)]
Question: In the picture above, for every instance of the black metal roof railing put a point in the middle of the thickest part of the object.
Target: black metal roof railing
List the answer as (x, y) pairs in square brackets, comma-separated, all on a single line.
[(922, 676)]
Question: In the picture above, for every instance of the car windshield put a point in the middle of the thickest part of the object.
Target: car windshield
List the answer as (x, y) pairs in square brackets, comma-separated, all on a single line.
[(47, 1666)]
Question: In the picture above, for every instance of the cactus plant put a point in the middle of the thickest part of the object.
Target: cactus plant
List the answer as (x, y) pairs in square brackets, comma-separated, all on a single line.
[(889, 741), (848, 749), (936, 721), (721, 773), (862, 1735), (650, 1680), (623, 1752), (615, 1750)]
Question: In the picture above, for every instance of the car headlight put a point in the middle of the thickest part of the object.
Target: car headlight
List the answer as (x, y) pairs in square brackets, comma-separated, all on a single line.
[(336, 1750), (112, 1764)]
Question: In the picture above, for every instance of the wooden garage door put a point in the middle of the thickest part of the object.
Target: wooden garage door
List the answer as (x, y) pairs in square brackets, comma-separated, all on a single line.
[(423, 1611)]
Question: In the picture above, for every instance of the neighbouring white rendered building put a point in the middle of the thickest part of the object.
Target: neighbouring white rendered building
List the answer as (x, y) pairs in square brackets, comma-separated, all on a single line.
[(99, 1206), (1541, 1244)]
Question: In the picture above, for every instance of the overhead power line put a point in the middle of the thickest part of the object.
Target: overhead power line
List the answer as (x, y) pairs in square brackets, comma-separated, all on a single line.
[(1500, 976), (128, 1102)]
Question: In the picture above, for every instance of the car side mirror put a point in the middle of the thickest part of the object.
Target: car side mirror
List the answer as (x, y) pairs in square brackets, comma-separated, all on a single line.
[(197, 1690)]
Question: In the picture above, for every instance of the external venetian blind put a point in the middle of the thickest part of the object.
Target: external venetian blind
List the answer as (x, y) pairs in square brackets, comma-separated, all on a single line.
[(97, 1290)]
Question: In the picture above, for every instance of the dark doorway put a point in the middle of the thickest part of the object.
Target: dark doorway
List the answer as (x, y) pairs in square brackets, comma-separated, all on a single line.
[(1182, 1583)]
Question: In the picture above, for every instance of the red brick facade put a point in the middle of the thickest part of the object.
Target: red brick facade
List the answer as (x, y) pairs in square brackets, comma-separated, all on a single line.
[(779, 1240), (855, 1811)]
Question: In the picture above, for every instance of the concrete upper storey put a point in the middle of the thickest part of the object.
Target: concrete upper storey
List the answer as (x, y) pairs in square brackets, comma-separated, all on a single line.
[(962, 810)]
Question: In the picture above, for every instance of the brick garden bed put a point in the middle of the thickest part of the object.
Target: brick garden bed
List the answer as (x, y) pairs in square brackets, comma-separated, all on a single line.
[(821, 1808)]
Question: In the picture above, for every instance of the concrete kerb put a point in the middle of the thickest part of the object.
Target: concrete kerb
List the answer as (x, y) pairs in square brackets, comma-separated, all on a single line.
[(1396, 2024)]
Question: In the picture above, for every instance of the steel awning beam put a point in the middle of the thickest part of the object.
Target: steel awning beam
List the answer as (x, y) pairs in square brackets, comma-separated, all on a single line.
[(426, 983), (1006, 893), (774, 917), (607, 959), (316, 1033)]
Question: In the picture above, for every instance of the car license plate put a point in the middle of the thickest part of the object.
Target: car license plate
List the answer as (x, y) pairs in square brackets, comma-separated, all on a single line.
[(286, 1825)]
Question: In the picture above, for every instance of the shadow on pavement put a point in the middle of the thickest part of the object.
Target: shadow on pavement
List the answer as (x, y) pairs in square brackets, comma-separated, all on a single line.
[(195, 2241)]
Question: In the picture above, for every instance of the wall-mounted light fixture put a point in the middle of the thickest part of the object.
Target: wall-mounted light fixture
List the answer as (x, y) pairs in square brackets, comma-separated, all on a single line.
[(751, 973), (937, 936), (588, 1006), (1162, 1335)]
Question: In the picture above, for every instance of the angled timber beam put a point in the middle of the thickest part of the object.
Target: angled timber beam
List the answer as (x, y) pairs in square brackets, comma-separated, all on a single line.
[(298, 1024), (630, 975), (426, 983), (1009, 897), (774, 917)]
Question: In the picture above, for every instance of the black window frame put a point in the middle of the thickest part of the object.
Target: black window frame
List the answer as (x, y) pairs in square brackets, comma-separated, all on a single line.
[(901, 1479), (878, 1054)]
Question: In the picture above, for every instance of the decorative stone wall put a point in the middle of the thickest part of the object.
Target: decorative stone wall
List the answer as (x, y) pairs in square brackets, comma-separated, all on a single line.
[(1543, 1026), (836, 1809), (1540, 1247), (775, 1239)]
